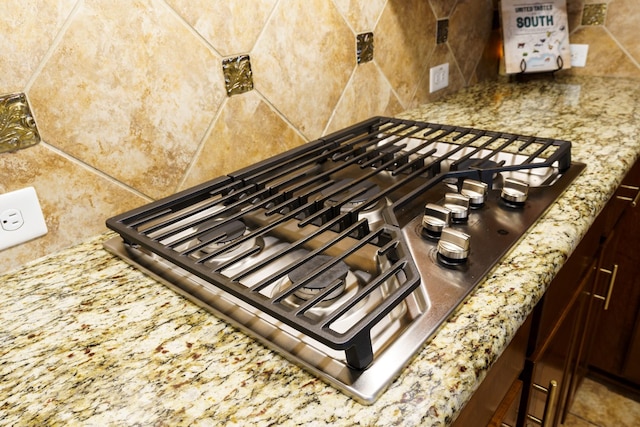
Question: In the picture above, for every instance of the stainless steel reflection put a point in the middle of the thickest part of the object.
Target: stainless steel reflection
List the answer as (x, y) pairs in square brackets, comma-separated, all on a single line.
[(348, 243)]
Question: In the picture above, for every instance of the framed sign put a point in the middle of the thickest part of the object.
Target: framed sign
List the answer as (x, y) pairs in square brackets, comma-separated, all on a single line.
[(536, 36)]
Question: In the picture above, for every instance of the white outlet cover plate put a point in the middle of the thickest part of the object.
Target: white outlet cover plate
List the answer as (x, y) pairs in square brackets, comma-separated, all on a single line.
[(579, 54), (24, 205), (438, 77)]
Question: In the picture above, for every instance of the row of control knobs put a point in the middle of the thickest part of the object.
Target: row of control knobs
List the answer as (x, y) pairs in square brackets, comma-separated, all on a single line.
[(454, 245)]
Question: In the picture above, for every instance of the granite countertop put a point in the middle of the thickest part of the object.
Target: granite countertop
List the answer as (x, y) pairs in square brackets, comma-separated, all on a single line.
[(88, 340)]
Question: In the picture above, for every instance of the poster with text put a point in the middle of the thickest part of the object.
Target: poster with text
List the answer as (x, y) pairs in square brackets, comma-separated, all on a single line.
[(536, 36)]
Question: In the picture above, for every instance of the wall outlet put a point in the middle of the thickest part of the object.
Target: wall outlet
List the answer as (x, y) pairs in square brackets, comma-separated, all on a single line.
[(21, 217), (438, 77), (579, 54)]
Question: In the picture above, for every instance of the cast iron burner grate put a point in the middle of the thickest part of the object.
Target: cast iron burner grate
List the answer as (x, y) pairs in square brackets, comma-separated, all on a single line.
[(344, 197)]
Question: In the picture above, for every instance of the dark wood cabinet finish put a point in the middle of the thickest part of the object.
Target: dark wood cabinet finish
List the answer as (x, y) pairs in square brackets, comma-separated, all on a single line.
[(569, 331), (614, 346), (495, 399), (557, 354)]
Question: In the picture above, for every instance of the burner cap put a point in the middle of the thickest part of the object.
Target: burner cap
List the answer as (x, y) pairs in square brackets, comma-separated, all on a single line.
[(354, 199), (477, 163), (309, 290), (223, 233)]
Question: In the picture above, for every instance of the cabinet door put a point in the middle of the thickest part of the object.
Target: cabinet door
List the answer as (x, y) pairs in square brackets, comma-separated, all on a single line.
[(617, 296), (558, 360), (631, 370)]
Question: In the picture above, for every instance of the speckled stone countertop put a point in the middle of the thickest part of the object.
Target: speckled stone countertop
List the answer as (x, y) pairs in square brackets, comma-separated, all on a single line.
[(88, 340)]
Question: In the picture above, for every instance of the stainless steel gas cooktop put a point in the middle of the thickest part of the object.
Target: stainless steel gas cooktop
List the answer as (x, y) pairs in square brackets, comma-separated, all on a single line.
[(346, 254)]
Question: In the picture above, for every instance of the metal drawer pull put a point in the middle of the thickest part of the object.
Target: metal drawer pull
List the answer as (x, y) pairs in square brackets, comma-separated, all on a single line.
[(612, 282), (634, 201), (549, 404)]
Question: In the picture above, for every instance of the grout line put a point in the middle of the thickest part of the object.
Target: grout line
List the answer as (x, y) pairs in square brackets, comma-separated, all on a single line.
[(54, 45), (192, 29), (622, 48), (268, 19), (340, 98), (201, 144), (96, 171)]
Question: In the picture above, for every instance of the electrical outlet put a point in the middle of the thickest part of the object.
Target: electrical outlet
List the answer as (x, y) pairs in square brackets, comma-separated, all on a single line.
[(438, 77), (579, 54), (21, 217)]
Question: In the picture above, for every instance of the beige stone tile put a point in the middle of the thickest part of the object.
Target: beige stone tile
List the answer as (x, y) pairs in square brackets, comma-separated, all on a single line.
[(130, 91), (469, 32), (247, 131), (27, 31), (75, 201), (441, 55), (303, 60), (605, 56), (623, 21), (574, 421), (367, 94), (231, 26), (442, 8), (574, 13), (405, 38), (489, 64), (362, 15), (605, 406)]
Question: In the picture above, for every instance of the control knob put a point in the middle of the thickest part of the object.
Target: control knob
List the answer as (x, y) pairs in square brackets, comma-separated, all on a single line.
[(435, 219), (453, 246), (514, 192), (476, 191), (458, 204)]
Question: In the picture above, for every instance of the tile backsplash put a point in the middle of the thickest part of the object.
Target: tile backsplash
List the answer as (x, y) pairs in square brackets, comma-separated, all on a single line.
[(610, 28), (136, 100)]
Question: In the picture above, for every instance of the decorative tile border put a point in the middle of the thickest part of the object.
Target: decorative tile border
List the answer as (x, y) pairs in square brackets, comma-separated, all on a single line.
[(238, 77), (17, 126), (364, 47), (594, 14), (442, 31)]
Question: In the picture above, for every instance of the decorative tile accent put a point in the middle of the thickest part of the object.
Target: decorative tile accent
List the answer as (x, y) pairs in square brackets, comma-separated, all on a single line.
[(364, 47), (238, 77), (442, 31), (17, 127), (594, 14), (142, 90)]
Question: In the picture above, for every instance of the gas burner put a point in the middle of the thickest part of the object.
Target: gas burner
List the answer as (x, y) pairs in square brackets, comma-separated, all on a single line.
[(219, 243), (222, 234), (352, 196), (339, 280), (353, 255), (476, 163), (334, 276)]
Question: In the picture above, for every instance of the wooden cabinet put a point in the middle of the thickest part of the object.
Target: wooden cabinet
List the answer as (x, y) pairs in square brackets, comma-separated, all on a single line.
[(631, 370), (556, 355), (589, 318), (496, 400), (614, 347), (572, 331)]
